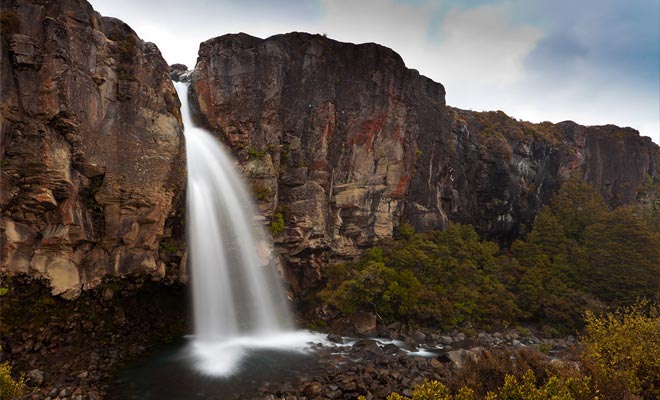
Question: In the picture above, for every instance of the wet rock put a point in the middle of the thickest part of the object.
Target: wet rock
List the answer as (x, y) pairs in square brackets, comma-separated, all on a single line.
[(392, 349), (312, 389), (176, 72), (419, 336), (335, 338), (364, 323), (446, 340), (369, 349)]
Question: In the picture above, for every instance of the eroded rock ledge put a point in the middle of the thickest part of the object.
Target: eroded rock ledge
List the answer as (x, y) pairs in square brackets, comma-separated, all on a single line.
[(93, 160)]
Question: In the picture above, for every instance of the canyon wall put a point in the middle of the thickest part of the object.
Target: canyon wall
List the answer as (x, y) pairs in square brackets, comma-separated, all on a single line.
[(343, 143), (93, 158)]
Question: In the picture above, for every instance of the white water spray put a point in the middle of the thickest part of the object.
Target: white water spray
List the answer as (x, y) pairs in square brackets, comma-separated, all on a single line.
[(237, 295)]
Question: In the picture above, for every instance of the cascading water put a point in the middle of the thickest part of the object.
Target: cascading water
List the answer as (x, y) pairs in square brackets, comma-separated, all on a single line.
[(237, 296)]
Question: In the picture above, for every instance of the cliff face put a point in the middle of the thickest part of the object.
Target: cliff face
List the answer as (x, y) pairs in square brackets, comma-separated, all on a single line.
[(93, 160), (345, 144)]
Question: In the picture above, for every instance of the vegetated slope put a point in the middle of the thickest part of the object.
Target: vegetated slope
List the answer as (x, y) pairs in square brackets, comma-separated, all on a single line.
[(579, 256)]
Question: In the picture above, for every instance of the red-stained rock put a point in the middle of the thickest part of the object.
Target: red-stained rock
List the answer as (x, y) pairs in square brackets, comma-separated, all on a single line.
[(347, 143)]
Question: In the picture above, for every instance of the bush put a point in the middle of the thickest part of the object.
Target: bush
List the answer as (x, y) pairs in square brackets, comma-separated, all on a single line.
[(277, 224), (9, 387), (487, 372), (622, 351), (525, 388), (433, 278)]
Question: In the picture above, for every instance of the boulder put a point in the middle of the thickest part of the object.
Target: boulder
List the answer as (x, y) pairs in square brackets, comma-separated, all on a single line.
[(364, 323)]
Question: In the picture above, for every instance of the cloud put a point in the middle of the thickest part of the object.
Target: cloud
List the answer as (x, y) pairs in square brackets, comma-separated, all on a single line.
[(592, 61), (483, 45), (400, 26), (179, 27), (476, 53)]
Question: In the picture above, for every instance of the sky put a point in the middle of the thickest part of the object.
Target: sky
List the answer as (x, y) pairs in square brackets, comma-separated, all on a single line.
[(590, 61)]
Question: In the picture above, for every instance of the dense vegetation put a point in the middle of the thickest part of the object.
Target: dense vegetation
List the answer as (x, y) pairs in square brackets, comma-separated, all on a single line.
[(579, 256), (620, 360)]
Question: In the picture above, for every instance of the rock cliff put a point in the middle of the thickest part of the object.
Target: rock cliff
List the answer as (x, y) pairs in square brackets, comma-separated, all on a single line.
[(343, 144), (93, 160)]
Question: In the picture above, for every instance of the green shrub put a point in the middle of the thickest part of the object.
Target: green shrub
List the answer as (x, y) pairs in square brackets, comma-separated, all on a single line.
[(170, 245), (261, 192), (524, 388), (432, 278), (277, 224), (622, 351), (256, 154), (10, 388), (554, 388)]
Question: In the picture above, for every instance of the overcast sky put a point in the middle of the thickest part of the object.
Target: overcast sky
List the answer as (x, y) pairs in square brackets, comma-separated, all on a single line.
[(590, 61)]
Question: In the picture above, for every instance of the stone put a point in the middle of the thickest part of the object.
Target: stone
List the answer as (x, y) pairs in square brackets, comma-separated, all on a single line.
[(435, 363), (369, 346), (36, 377), (335, 338), (419, 336), (312, 389), (456, 357), (364, 323)]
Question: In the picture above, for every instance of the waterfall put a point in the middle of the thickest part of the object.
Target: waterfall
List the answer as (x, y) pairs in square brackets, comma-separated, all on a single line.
[(237, 294)]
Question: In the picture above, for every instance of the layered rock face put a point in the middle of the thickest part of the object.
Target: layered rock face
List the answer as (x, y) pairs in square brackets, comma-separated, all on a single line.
[(344, 143), (93, 160)]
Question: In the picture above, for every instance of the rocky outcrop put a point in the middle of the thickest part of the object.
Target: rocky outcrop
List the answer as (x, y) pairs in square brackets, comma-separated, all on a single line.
[(507, 168), (93, 160), (344, 143)]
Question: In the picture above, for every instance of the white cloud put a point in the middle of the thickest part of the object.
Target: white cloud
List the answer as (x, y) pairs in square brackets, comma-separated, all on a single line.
[(482, 45), (402, 27)]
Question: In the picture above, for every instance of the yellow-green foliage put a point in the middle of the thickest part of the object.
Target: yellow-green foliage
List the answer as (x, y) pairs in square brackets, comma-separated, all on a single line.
[(256, 153), (556, 388), (10, 388), (277, 224), (527, 388), (622, 351), (261, 192)]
